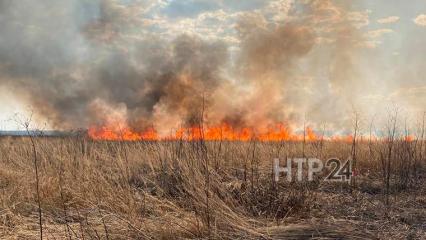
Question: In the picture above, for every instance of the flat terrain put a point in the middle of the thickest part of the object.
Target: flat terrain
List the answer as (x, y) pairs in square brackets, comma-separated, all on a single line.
[(206, 190)]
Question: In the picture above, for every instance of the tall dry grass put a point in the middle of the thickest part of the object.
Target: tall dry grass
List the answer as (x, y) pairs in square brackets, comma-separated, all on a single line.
[(192, 190)]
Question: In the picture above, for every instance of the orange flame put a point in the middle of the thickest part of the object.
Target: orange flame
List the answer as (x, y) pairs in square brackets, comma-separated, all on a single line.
[(224, 131), (409, 138)]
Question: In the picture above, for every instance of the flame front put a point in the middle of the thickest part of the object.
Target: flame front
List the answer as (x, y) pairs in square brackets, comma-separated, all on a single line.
[(224, 131)]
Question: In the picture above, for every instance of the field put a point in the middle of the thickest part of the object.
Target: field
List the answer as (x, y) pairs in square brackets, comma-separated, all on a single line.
[(76, 188)]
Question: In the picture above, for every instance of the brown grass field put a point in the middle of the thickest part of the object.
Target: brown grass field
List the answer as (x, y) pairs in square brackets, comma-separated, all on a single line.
[(206, 190)]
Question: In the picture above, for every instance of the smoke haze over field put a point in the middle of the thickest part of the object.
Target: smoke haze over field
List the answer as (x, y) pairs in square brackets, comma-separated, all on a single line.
[(159, 63)]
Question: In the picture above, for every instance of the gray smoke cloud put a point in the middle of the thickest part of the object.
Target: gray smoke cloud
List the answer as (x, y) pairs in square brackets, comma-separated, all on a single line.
[(76, 74), (84, 63)]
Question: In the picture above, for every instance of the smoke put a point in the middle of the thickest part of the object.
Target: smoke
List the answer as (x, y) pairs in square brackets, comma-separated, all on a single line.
[(84, 63), (268, 63), (78, 75), (279, 62), (340, 43)]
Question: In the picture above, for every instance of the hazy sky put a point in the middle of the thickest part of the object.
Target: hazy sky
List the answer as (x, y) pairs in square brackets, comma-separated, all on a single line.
[(380, 61)]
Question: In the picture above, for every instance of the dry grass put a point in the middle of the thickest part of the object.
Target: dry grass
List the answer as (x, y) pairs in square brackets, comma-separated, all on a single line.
[(198, 190)]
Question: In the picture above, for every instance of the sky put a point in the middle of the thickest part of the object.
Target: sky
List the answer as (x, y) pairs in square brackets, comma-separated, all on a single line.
[(290, 60)]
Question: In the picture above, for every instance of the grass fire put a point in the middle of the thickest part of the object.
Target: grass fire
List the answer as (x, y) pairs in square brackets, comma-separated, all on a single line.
[(222, 132), (218, 189), (212, 119)]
